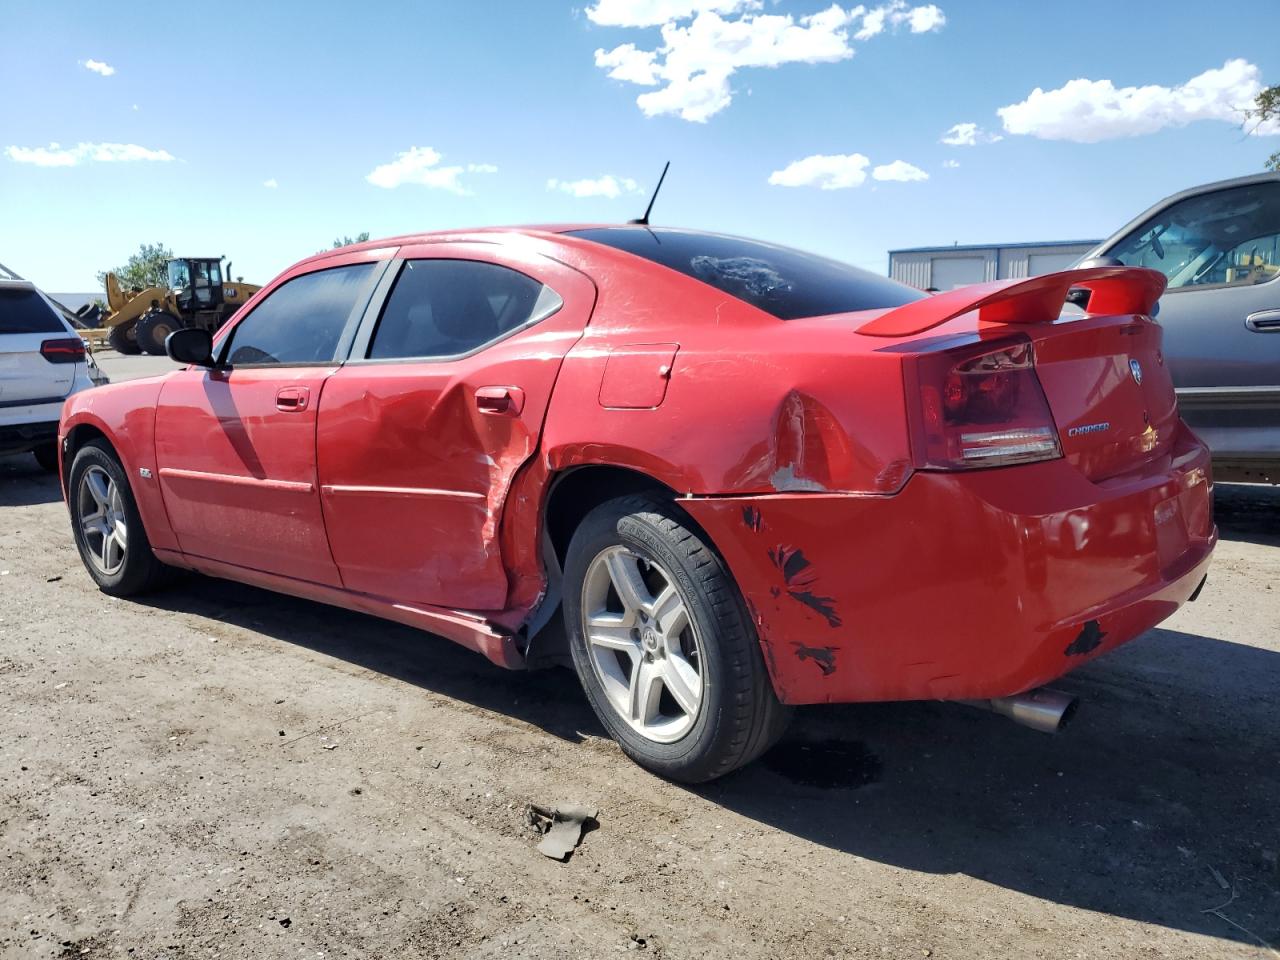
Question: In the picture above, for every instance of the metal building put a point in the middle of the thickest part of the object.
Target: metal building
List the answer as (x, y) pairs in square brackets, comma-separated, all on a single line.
[(945, 268)]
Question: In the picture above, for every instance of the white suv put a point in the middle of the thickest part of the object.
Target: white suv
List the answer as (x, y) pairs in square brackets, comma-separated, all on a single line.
[(42, 362)]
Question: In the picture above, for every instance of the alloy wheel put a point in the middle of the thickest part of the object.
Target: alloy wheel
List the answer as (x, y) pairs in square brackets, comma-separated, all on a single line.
[(100, 508), (643, 644)]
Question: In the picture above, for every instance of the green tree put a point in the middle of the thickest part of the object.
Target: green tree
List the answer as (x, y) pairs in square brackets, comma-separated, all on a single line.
[(146, 268), (348, 241), (1266, 106)]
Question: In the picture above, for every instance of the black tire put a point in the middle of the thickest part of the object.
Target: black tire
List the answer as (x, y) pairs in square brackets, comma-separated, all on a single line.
[(738, 716), (140, 571), (122, 339), (153, 329), (47, 456)]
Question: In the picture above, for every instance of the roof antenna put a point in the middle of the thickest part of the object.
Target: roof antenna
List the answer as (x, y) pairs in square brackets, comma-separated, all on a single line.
[(644, 221)]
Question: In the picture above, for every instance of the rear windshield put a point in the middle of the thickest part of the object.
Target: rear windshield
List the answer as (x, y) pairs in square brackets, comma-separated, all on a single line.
[(24, 311), (787, 283)]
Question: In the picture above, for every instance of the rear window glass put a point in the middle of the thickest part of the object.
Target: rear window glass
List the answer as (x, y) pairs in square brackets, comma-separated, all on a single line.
[(24, 311), (787, 283)]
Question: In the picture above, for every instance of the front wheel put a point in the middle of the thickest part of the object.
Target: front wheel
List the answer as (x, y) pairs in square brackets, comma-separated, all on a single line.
[(154, 329), (662, 644), (107, 526)]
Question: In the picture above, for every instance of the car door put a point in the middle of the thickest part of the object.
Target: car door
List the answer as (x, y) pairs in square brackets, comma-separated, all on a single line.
[(442, 401), (235, 445), (1220, 249)]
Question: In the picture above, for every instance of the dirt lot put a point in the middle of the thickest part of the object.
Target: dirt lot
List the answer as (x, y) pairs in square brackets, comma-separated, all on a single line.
[(219, 771)]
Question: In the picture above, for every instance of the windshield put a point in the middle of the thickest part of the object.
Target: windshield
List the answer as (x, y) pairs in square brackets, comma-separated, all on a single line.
[(1229, 237), (179, 275), (787, 283)]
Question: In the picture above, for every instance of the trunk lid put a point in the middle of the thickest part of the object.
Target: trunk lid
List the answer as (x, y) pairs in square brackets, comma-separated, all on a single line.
[(1109, 390)]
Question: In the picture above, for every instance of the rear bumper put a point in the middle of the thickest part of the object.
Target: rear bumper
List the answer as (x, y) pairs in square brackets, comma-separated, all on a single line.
[(21, 437), (964, 586)]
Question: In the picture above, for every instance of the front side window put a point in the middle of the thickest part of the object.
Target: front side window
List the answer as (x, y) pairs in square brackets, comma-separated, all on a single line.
[(301, 321), (179, 275), (787, 283), (1226, 238), (445, 308)]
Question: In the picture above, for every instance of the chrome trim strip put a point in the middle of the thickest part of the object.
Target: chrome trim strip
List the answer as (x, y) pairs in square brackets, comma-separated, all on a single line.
[(284, 486)]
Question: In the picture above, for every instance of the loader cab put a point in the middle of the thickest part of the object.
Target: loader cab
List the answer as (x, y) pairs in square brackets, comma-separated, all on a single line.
[(196, 283)]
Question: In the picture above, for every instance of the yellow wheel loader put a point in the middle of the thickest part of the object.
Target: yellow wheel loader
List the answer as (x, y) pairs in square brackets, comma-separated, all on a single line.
[(197, 296)]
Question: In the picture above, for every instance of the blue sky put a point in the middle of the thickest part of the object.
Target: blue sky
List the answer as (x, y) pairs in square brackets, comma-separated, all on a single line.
[(205, 105)]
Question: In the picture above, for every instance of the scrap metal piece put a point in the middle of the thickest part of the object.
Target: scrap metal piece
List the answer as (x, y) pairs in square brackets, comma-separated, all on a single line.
[(561, 827)]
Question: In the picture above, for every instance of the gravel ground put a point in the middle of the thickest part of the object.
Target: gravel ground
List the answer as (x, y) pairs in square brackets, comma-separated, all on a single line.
[(219, 771)]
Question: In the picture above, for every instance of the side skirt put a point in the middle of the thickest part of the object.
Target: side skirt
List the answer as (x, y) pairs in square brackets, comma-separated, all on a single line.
[(462, 628)]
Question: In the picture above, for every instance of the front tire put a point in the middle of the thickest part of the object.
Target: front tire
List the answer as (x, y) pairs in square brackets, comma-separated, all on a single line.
[(662, 644), (123, 339), (107, 526), (154, 329)]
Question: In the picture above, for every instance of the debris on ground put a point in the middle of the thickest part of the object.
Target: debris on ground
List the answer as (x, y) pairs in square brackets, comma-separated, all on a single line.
[(561, 827)]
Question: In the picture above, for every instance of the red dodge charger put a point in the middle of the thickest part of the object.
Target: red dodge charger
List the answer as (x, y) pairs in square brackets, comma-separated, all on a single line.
[(749, 477)]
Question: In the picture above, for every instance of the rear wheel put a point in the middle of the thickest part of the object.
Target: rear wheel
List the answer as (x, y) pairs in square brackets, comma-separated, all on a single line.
[(107, 526), (123, 339), (47, 456), (154, 328), (662, 645)]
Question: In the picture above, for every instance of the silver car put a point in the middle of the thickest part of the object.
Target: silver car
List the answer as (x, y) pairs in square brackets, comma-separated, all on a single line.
[(1219, 245)]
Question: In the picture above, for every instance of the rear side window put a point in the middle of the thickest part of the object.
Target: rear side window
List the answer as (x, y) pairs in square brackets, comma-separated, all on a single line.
[(302, 320), (787, 283), (24, 311), (445, 308)]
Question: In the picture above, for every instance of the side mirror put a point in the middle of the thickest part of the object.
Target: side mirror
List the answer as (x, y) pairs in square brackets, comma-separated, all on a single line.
[(190, 345)]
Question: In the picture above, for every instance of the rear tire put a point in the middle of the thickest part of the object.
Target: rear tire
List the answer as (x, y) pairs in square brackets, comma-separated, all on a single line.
[(123, 339), (154, 328), (107, 526), (675, 674), (47, 456)]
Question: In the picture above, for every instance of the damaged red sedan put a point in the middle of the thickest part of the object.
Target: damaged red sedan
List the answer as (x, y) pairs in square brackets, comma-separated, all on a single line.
[(747, 476)]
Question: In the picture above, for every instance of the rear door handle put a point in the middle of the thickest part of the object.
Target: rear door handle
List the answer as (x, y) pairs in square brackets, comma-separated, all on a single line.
[(292, 399), (1264, 321), (500, 401)]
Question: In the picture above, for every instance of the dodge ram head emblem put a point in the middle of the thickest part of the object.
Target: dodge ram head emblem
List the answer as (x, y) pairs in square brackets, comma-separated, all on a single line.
[(1136, 369)]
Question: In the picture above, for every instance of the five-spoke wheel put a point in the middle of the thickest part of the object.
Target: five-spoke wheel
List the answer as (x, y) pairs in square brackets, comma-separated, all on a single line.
[(644, 647), (102, 520), (662, 644)]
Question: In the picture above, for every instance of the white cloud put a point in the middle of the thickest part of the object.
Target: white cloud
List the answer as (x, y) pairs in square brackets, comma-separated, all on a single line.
[(951, 164), (969, 135), (899, 171), (695, 61), (605, 186), (270, 184), (1086, 111), (651, 13), (627, 63), (420, 165), (827, 172), (895, 14), (98, 67), (58, 156)]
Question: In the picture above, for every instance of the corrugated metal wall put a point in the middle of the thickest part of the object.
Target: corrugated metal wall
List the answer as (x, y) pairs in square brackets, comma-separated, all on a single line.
[(916, 267)]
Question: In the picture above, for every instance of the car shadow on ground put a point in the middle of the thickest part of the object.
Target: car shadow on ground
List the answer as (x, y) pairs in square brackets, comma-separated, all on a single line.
[(1160, 792), (24, 483)]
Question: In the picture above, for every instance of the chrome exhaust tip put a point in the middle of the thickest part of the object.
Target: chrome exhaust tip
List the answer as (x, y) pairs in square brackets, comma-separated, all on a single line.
[(1041, 709)]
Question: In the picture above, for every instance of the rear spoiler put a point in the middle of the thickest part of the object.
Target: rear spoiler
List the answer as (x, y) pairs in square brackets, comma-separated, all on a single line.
[(1112, 290)]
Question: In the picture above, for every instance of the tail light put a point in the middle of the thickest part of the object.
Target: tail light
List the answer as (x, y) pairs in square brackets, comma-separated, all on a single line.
[(981, 406), (68, 350)]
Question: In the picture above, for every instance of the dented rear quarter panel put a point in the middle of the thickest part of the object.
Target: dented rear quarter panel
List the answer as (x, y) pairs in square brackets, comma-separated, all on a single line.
[(754, 404)]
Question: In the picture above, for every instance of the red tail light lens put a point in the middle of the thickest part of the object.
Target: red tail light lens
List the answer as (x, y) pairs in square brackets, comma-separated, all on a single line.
[(982, 406), (69, 350)]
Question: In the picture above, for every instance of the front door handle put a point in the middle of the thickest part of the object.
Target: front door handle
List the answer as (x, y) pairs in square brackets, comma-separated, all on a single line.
[(500, 401), (1264, 321), (292, 399)]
